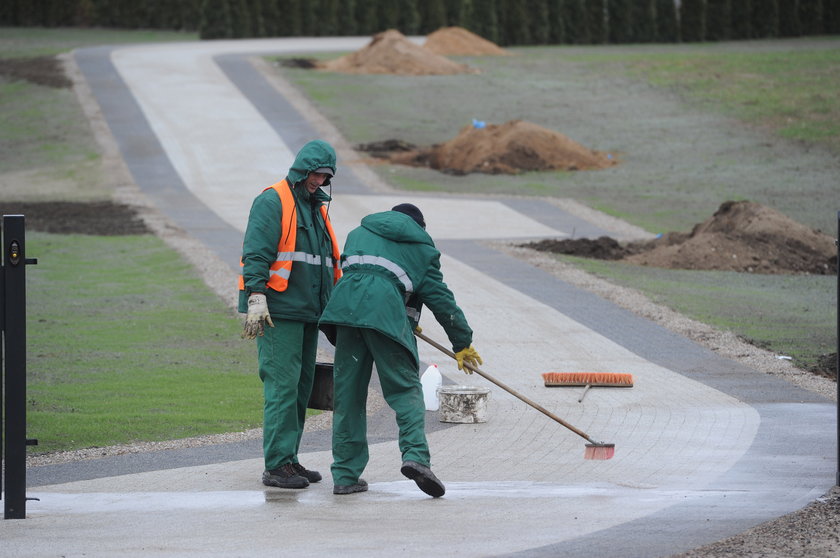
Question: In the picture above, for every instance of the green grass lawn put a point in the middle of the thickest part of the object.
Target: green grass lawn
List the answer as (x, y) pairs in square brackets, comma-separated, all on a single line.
[(791, 315), (125, 343)]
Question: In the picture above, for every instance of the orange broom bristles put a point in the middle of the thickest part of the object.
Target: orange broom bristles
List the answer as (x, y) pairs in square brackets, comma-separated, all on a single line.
[(600, 452), (614, 379)]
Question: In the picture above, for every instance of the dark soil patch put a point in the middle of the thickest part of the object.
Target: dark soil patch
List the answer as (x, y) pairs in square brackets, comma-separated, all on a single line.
[(40, 70), (93, 218), (740, 236), (826, 366), (299, 63)]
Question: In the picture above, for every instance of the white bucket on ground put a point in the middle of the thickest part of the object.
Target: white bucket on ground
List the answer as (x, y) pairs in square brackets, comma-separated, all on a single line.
[(464, 404)]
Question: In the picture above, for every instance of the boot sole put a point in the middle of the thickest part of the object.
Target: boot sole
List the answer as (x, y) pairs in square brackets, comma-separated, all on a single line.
[(302, 483), (430, 485), (351, 489)]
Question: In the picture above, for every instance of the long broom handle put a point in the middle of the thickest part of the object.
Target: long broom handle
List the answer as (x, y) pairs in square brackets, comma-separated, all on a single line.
[(510, 390)]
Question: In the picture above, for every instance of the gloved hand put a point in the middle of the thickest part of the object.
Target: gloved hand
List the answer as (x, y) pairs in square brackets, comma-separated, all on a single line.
[(418, 329), (468, 356), (257, 316)]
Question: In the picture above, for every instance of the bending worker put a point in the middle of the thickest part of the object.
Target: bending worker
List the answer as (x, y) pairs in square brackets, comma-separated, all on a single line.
[(391, 269), (290, 262)]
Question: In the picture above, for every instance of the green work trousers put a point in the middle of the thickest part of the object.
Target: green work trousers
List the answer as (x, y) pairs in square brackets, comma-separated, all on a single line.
[(356, 351), (287, 354)]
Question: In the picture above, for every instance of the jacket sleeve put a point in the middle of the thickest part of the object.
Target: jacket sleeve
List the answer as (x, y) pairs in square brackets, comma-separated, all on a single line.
[(437, 296), (262, 235)]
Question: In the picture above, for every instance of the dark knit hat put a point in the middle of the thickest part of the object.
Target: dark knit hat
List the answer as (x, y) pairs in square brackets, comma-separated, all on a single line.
[(412, 211)]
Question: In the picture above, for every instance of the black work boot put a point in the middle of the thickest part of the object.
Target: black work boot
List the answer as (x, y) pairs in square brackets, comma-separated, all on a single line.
[(311, 476), (360, 486), (424, 477), (284, 477)]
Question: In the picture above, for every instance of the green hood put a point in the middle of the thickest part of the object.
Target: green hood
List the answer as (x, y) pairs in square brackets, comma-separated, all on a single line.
[(313, 155), (396, 226)]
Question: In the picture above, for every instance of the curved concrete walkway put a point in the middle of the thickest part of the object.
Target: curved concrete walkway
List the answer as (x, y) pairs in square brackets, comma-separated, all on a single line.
[(705, 447)]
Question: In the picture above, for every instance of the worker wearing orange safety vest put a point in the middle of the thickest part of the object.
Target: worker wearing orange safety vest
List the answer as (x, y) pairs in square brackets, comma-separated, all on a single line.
[(290, 262)]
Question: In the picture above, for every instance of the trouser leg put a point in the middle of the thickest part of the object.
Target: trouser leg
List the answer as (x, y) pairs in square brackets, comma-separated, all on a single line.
[(400, 381), (351, 373), (307, 377), (287, 369)]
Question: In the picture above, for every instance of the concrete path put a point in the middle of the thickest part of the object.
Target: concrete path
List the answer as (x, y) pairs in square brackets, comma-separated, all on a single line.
[(705, 447)]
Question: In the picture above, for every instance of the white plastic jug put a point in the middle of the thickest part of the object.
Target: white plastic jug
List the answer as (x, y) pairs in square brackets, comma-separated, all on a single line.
[(431, 380)]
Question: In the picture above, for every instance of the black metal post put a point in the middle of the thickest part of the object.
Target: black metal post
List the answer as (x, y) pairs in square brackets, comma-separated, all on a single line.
[(14, 365)]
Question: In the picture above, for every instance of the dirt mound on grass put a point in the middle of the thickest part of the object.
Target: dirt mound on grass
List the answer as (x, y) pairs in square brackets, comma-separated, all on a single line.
[(509, 148), (740, 236), (390, 52), (457, 41)]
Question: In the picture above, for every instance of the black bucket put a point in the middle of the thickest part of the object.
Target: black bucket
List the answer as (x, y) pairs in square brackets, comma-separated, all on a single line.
[(322, 388)]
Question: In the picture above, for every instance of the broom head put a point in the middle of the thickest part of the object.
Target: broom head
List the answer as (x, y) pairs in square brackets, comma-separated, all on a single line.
[(606, 379), (600, 452)]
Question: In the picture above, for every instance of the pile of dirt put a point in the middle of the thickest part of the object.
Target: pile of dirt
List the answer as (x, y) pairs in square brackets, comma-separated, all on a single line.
[(390, 52), (94, 218), (40, 70), (457, 41), (741, 236), (509, 148)]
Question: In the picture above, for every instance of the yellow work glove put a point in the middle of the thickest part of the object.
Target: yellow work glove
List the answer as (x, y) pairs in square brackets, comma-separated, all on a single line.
[(257, 316), (468, 356), (418, 329)]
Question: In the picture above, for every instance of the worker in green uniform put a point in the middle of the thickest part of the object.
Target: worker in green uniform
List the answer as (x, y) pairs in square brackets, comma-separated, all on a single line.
[(391, 270), (290, 262)]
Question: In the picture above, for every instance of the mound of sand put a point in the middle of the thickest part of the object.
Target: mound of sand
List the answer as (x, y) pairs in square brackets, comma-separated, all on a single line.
[(747, 236), (457, 41), (390, 52), (509, 148), (741, 236)]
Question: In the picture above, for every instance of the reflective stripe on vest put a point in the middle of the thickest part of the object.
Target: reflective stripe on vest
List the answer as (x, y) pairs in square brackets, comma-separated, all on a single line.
[(281, 268), (402, 276)]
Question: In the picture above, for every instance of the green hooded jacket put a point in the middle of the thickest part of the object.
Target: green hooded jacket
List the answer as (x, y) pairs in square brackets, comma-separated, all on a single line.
[(309, 285), (391, 269)]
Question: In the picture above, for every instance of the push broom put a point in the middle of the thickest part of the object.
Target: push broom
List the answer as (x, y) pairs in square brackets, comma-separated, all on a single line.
[(588, 379), (594, 450)]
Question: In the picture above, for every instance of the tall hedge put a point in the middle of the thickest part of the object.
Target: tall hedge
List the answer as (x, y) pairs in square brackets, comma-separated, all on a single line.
[(485, 20), (575, 22), (831, 12), (667, 24), (538, 22), (556, 24), (765, 18), (505, 22), (366, 18), (789, 23), (458, 12), (514, 23), (643, 21), (742, 19), (408, 17), (619, 13), (693, 20), (595, 18), (432, 15), (719, 20), (811, 16), (215, 20)]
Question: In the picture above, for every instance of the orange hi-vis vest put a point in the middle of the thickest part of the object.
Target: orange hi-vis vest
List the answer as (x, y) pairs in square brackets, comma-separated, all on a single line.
[(279, 271)]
